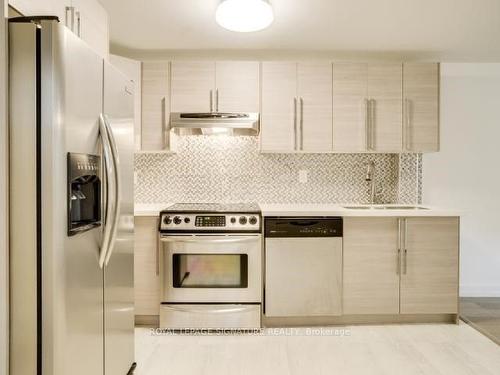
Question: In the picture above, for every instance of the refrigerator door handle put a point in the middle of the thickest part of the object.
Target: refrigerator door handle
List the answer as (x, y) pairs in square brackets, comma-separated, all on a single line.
[(110, 203), (117, 198)]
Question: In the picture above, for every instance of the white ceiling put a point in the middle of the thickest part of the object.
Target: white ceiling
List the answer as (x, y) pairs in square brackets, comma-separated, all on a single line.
[(461, 30)]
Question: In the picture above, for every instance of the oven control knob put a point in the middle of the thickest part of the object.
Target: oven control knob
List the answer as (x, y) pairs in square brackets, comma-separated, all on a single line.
[(177, 220), (233, 220), (187, 220), (252, 220), (243, 220), (167, 220)]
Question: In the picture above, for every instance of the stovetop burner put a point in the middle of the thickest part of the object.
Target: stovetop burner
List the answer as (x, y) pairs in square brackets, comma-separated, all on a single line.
[(214, 207)]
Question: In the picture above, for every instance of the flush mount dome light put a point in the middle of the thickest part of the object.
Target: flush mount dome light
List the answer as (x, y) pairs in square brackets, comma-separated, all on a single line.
[(244, 15)]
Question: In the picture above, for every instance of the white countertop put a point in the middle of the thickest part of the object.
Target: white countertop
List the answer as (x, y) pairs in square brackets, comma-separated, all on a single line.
[(149, 209), (279, 209), (292, 209)]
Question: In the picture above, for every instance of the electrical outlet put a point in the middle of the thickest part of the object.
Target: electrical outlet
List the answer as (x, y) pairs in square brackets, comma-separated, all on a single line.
[(303, 176)]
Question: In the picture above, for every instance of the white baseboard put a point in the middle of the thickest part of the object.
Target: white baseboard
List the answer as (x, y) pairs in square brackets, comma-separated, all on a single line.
[(479, 290)]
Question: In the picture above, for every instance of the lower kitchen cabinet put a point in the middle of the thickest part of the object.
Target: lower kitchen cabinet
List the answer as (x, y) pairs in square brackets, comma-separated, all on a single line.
[(429, 275), (146, 271), (400, 265), (371, 278)]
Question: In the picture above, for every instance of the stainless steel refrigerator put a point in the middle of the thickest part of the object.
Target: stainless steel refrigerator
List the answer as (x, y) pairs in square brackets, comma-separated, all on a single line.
[(71, 206)]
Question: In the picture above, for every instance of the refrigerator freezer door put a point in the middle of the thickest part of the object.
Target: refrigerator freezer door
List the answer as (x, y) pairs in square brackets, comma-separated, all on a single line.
[(119, 271), (56, 100)]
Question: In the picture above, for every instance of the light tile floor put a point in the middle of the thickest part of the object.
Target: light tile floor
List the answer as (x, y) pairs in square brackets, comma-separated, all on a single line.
[(438, 349)]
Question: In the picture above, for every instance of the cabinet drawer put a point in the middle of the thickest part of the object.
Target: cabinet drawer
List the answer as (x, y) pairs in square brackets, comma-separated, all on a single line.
[(238, 316)]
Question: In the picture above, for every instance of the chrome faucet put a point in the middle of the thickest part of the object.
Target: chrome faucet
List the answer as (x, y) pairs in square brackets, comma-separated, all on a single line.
[(370, 177)]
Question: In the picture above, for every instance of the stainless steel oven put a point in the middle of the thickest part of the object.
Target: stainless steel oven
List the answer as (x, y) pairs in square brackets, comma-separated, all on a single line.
[(210, 267)]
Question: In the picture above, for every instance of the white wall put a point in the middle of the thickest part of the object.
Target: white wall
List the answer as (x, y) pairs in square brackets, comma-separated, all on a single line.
[(3, 196), (466, 173)]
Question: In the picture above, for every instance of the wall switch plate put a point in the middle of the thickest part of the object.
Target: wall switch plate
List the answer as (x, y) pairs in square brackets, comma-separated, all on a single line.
[(303, 176)]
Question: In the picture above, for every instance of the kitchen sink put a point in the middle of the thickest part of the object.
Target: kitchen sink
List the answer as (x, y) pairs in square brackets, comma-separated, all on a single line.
[(385, 207)]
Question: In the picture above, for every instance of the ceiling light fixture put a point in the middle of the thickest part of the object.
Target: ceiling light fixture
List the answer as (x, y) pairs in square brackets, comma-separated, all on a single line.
[(244, 15)]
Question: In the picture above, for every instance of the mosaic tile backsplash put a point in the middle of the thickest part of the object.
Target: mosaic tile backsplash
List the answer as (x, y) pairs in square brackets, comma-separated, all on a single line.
[(231, 169)]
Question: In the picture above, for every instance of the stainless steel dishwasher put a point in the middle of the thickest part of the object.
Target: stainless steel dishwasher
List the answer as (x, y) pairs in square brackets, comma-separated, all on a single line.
[(303, 266)]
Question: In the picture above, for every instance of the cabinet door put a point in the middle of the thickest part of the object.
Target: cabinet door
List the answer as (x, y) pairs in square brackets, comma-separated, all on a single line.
[(429, 277), (421, 107), (155, 103), (350, 107), (90, 22), (385, 92), (279, 112), (314, 86), (146, 275), (192, 86), (371, 260), (237, 84)]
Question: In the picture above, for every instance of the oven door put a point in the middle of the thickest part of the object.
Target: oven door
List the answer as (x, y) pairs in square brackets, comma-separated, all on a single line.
[(211, 268)]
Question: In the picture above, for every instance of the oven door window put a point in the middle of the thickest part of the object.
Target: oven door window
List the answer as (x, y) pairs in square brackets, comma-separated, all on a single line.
[(210, 270)]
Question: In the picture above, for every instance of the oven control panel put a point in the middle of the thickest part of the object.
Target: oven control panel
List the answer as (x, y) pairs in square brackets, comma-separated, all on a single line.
[(217, 222)]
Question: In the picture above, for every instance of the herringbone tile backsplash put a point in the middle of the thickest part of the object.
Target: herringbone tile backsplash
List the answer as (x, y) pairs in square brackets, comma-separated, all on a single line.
[(231, 169)]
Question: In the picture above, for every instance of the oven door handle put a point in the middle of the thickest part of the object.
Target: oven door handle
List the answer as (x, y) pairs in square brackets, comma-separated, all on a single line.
[(209, 241), (223, 310)]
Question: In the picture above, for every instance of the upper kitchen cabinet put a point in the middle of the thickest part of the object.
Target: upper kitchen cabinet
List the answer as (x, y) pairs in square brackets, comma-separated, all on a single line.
[(192, 86), (86, 18), (92, 25), (223, 86), (237, 86), (367, 107), (296, 112), (155, 134), (421, 107)]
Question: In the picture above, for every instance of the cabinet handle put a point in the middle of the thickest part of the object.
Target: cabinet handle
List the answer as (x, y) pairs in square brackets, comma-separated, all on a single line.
[(164, 122), (405, 263), (70, 17), (407, 124), (367, 125), (211, 100), (216, 100), (158, 244), (295, 123), (372, 124), (301, 123), (399, 248), (78, 24)]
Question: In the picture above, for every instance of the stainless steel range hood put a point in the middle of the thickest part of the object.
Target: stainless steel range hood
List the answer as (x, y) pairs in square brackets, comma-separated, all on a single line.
[(211, 123)]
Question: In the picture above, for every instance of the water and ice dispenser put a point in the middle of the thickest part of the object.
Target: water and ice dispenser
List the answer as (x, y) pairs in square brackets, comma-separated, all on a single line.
[(84, 192)]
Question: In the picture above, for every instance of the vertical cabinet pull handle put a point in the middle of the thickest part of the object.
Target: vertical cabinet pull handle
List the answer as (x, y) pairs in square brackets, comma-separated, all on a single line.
[(295, 123), (78, 24), (407, 124), (216, 100), (405, 264), (70, 18), (164, 123), (372, 124), (398, 269), (158, 244), (367, 124), (301, 123), (211, 100)]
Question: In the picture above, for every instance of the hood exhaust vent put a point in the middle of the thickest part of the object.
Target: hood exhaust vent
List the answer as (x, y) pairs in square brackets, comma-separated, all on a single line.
[(212, 123)]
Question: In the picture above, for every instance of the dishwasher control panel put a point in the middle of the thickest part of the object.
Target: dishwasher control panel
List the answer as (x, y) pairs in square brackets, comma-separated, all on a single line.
[(303, 227)]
